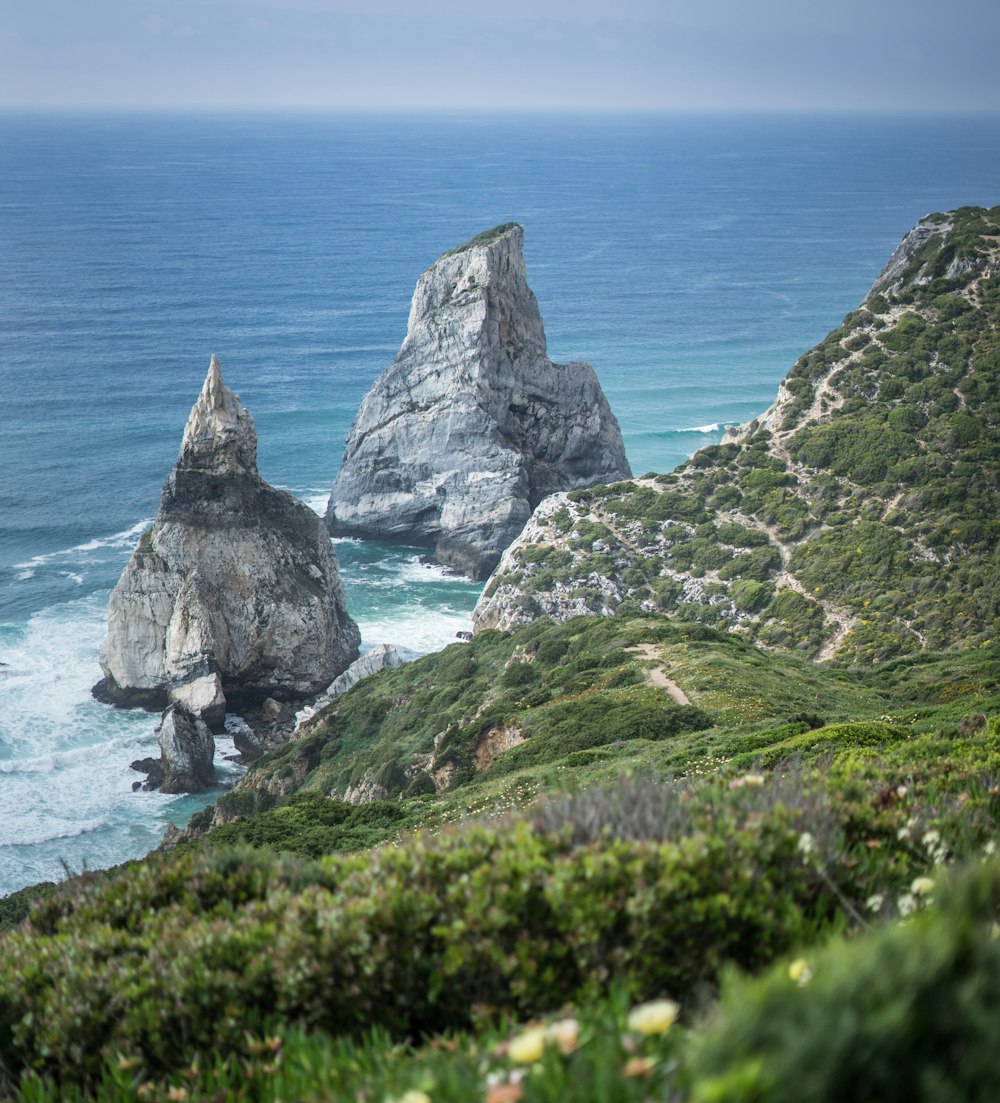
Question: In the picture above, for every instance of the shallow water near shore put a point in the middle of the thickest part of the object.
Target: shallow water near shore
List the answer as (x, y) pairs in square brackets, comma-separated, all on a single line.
[(690, 260)]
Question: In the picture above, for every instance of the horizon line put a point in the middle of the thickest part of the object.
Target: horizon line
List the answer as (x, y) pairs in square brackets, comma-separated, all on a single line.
[(442, 111)]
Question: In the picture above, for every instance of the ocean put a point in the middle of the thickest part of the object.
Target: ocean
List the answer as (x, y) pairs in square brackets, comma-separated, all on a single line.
[(690, 259)]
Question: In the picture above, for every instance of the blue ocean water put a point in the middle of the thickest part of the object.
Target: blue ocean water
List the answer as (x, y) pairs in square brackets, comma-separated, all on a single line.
[(689, 259)]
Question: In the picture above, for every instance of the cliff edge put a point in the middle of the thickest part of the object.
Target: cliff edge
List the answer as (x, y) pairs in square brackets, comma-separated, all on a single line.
[(472, 425)]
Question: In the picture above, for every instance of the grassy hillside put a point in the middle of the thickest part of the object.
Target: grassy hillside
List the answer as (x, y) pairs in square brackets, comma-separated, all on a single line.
[(857, 518), (229, 969), (483, 727), (503, 871)]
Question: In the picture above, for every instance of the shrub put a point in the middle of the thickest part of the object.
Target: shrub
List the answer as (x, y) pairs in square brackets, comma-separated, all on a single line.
[(311, 824), (909, 1013), (518, 675), (188, 954), (833, 737)]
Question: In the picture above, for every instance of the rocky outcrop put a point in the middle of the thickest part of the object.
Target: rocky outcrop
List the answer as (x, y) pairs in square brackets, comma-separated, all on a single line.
[(900, 267), (381, 657), (234, 594), (366, 791), (472, 425), (186, 752)]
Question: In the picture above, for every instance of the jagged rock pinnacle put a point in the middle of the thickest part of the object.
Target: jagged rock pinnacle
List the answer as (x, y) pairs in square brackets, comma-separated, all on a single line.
[(234, 594), (220, 434), (472, 424)]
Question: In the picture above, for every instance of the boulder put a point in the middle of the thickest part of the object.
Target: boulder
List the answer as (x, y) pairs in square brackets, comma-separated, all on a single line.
[(187, 750)]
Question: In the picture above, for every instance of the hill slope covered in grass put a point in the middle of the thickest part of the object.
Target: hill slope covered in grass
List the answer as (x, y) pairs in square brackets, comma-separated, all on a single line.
[(228, 968), (856, 518), (502, 871)]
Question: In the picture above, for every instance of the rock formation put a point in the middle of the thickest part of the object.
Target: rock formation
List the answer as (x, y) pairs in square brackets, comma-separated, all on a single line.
[(187, 749), (234, 594), (472, 425)]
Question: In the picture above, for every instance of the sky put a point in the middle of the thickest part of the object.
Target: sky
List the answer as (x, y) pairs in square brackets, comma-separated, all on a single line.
[(472, 55)]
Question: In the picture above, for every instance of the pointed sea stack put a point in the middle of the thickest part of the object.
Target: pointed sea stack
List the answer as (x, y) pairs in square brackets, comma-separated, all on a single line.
[(234, 594), (472, 425)]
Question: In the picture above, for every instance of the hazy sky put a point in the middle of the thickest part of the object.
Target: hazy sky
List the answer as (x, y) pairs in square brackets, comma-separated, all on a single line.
[(476, 54)]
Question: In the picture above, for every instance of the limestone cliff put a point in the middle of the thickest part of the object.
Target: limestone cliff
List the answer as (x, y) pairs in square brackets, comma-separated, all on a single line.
[(234, 593), (472, 425), (856, 518)]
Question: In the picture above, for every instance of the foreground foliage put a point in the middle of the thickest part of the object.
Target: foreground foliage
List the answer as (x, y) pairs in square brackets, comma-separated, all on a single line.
[(184, 955), (907, 1013)]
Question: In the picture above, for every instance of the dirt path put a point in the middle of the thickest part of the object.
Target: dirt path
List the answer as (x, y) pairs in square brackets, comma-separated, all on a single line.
[(658, 675)]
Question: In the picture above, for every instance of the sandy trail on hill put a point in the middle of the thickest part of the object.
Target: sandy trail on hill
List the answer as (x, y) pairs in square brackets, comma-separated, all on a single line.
[(658, 675)]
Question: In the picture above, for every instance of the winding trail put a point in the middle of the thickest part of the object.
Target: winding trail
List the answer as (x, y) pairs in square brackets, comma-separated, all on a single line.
[(657, 676)]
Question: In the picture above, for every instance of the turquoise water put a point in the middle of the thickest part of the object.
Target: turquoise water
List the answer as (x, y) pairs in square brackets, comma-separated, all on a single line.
[(690, 260)]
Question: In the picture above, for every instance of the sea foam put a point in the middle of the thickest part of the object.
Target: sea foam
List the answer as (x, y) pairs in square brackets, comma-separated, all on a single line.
[(81, 552)]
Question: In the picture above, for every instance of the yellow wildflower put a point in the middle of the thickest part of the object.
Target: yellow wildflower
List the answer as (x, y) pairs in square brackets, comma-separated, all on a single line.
[(922, 886), (656, 1017), (526, 1048), (799, 972)]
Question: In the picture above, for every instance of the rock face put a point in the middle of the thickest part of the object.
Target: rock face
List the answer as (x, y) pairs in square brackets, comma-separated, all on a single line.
[(234, 593), (472, 425), (381, 657), (187, 749)]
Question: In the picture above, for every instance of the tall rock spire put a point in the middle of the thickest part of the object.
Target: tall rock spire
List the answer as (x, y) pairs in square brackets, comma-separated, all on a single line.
[(234, 594), (219, 436), (472, 425)]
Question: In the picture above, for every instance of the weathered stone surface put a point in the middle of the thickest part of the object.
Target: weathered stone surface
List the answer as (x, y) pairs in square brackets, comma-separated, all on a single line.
[(367, 790), (199, 691), (472, 425), (900, 263), (187, 750), (234, 593)]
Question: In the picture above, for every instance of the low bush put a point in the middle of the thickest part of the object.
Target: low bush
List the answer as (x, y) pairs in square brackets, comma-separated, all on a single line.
[(911, 1013), (833, 737), (187, 955), (311, 824)]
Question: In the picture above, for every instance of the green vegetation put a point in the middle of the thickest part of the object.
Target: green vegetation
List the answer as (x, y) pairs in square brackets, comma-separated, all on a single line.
[(186, 955), (904, 1013), (786, 803), (874, 482), (907, 1013), (487, 237), (459, 880), (234, 969), (546, 694)]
